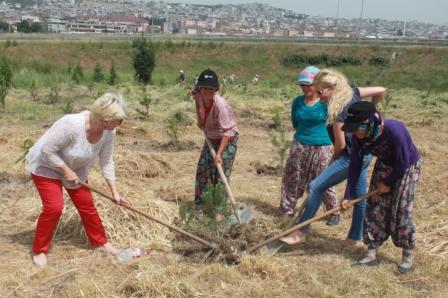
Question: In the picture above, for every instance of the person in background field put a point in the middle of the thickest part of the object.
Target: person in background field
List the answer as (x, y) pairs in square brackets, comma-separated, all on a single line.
[(62, 157), (332, 87), (255, 80), (311, 148), (181, 78), (216, 118), (395, 176)]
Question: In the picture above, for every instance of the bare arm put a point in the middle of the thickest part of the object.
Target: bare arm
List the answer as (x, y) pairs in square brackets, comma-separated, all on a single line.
[(339, 140), (376, 93), (222, 147)]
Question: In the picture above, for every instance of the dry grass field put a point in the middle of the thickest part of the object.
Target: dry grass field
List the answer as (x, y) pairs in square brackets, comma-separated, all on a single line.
[(156, 177)]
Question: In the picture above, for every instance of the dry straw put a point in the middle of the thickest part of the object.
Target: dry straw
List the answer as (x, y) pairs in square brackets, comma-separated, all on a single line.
[(124, 228)]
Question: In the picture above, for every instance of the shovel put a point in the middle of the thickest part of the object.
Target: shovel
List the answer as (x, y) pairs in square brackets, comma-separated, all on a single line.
[(242, 214), (173, 228), (273, 247), (309, 221)]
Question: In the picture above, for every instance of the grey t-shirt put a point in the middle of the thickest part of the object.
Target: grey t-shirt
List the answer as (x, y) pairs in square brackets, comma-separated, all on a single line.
[(341, 118)]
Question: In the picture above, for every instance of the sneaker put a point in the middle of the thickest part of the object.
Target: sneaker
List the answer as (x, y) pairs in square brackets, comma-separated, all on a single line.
[(129, 254), (405, 270), (372, 263), (283, 212), (334, 220), (40, 260)]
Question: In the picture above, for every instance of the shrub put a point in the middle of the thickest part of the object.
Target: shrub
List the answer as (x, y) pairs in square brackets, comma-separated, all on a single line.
[(113, 77), (378, 60), (216, 213), (98, 75), (144, 101), (77, 74), (68, 107), (6, 71), (279, 139), (26, 146), (34, 91), (53, 96)]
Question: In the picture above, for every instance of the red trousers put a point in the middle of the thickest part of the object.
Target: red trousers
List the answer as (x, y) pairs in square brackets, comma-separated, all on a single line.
[(50, 191)]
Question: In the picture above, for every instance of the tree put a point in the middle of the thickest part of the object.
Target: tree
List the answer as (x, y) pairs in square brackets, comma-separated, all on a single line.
[(36, 27), (5, 79), (4, 27), (3, 91), (98, 75), (145, 101), (6, 71), (144, 61), (77, 74), (113, 77), (24, 26)]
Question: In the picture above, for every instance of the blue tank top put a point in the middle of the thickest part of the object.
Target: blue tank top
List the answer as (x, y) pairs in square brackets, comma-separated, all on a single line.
[(310, 122)]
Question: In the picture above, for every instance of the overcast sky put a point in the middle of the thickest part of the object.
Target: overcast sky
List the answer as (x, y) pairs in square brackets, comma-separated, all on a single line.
[(428, 11)]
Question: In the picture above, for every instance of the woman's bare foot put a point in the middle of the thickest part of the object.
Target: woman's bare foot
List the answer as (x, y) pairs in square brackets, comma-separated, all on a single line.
[(40, 259), (109, 248), (349, 242), (294, 238)]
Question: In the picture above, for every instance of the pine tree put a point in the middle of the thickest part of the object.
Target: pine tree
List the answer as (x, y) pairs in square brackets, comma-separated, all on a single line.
[(98, 75), (77, 74), (144, 61), (113, 77)]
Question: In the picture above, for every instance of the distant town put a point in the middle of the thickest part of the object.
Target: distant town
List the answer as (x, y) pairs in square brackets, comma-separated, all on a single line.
[(254, 19)]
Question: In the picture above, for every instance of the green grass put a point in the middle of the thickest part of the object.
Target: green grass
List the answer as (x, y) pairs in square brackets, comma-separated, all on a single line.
[(47, 63)]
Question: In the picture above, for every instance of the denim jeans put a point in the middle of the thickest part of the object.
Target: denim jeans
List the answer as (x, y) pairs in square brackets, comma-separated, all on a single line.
[(334, 174)]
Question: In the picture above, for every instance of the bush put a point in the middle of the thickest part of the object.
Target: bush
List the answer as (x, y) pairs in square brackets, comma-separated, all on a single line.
[(77, 74), (298, 60), (5, 80), (6, 71), (113, 77), (68, 107), (145, 101), (378, 60), (98, 75), (26, 146), (280, 139), (215, 217)]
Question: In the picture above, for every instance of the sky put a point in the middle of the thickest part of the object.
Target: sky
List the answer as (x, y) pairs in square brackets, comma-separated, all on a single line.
[(427, 11)]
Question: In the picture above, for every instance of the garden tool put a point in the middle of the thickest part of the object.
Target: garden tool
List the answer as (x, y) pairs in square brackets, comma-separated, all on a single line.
[(309, 221), (242, 214), (273, 247), (173, 228)]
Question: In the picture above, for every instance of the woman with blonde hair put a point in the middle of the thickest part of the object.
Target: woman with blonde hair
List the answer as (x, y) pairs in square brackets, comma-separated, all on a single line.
[(63, 157), (333, 88)]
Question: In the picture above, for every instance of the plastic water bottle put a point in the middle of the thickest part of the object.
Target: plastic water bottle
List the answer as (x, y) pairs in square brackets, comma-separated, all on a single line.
[(129, 254)]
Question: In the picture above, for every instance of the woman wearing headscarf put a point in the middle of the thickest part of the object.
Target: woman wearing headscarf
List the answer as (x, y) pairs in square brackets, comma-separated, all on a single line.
[(395, 176), (332, 87)]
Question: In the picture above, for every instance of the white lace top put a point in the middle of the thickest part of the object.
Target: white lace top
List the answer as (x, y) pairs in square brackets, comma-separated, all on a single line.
[(66, 142)]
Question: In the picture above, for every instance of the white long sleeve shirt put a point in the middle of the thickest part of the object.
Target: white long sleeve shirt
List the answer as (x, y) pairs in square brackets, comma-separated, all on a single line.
[(66, 142)]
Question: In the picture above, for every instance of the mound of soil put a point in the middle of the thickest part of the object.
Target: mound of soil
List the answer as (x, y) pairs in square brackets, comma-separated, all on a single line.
[(230, 246)]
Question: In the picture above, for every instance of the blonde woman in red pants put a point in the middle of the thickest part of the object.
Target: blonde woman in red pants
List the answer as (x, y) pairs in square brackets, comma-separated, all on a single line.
[(62, 157)]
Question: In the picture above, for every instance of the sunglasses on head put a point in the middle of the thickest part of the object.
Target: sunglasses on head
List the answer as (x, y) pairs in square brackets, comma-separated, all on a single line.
[(320, 92)]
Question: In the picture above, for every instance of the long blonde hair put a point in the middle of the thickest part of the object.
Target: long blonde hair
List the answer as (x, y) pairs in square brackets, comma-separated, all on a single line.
[(110, 106), (342, 92)]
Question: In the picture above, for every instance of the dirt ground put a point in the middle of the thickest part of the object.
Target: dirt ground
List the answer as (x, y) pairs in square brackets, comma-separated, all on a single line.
[(156, 178)]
